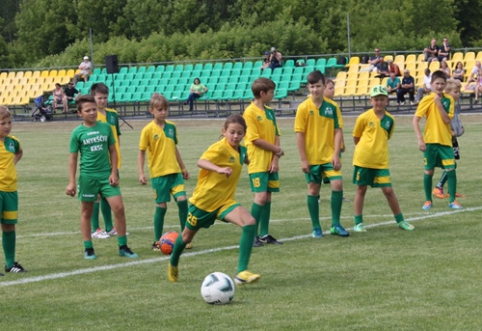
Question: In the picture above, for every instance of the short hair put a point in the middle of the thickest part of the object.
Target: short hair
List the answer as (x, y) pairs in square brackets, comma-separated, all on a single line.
[(85, 98), (329, 81), (158, 101), (315, 76), (99, 88), (235, 118), (262, 85), (4, 113), (453, 84), (427, 70), (438, 74)]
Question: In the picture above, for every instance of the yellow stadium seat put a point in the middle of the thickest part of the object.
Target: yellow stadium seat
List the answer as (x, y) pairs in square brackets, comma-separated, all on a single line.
[(399, 59), (3, 75), (339, 91), (70, 73), (420, 58), (11, 74), (352, 75), (469, 65), (36, 74), (361, 90), (44, 73), (27, 74), (354, 68), (351, 82), (63, 80), (353, 60), (349, 91), (340, 75), (411, 58), (469, 56), (340, 83), (53, 73), (434, 66), (23, 81), (458, 56), (62, 72), (19, 74), (388, 57), (364, 76), (479, 56), (384, 81)]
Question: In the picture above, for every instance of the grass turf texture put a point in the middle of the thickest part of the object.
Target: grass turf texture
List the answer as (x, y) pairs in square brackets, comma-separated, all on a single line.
[(385, 279)]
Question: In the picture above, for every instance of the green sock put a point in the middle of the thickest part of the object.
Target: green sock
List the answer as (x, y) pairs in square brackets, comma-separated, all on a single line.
[(159, 222), (106, 213), (452, 180), (178, 248), (336, 201), (8, 243), (182, 211), (358, 219), (94, 220), (122, 240), (427, 187), (245, 246), (88, 244), (314, 210), (256, 211), (399, 218), (265, 215)]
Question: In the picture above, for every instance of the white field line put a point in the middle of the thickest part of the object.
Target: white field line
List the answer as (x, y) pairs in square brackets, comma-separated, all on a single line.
[(207, 251)]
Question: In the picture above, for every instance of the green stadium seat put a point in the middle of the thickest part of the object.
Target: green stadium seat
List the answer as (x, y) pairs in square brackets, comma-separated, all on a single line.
[(148, 75), (233, 79), (132, 70), (218, 66), (238, 65), (281, 93), (208, 66), (123, 70), (96, 71), (188, 67), (217, 95), (310, 62), (216, 73), (141, 69), (248, 94), (125, 97), (136, 97), (144, 82), (243, 86), (248, 65), (246, 71), (196, 74), (231, 86), (238, 94), (174, 81), (331, 63), (245, 79), (161, 68), (198, 66), (151, 68), (283, 85), (176, 74), (164, 81), (179, 68), (289, 63), (141, 89), (167, 74), (266, 73), (139, 76), (228, 65), (129, 76), (212, 80), (320, 63), (294, 86), (257, 64), (169, 68), (226, 73), (236, 72), (184, 81), (223, 80)]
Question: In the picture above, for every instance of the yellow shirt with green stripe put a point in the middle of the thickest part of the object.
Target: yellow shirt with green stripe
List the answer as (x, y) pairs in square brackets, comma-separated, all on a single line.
[(318, 125), (8, 172), (213, 189), (436, 131), (374, 133), (160, 144), (112, 118), (261, 125)]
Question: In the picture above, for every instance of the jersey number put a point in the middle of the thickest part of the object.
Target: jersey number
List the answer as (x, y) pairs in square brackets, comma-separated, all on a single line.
[(191, 219), (256, 182)]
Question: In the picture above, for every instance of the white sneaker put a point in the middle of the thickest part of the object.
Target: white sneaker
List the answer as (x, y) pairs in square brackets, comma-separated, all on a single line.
[(100, 234), (402, 103), (113, 232)]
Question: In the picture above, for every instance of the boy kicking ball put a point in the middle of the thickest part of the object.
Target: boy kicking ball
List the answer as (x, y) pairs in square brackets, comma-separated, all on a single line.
[(372, 131), (98, 175)]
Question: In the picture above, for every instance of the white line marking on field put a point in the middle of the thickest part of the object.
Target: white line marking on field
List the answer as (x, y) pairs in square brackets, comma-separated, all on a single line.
[(207, 251)]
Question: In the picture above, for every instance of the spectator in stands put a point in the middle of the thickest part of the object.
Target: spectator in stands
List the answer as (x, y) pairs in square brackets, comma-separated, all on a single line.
[(444, 51), (70, 93), (85, 69), (459, 71), (478, 86), (196, 91), (393, 83), (408, 86), (427, 85), (266, 62), (474, 74), (393, 67), (59, 98), (382, 68), (431, 52), (374, 62), (445, 68), (275, 59)]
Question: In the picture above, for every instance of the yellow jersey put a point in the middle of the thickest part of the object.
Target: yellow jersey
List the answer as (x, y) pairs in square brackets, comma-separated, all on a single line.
[(8, 172), (112, 118)]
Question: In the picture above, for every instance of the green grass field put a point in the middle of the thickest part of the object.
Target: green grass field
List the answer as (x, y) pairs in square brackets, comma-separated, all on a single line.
[(385, 279)]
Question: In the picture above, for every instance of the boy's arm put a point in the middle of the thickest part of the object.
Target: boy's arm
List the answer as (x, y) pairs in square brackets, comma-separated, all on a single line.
[(208, 165), (274, 165), (141, 159), (356, 140), (300, 144), (70, 190), (418, 133), (275, 148), (185, 173), (18, 156), (113, 179), (336, 155), (441, 110)]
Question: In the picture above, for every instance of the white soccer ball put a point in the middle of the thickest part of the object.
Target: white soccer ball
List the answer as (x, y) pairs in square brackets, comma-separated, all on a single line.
[(217, 289)]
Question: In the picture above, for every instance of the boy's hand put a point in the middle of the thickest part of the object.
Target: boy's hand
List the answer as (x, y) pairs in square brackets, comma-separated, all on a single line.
[(70, 189), (305, 167), (336, 163), (185, 174), (113, 180), (280, 152), (421, 145), (274, 166), (142, 179), (226, 171)]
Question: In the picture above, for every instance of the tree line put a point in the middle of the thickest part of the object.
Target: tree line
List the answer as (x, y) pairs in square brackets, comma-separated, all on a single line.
[(41, 33)]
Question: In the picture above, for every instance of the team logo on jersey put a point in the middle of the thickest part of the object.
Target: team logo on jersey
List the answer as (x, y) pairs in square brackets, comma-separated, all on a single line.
[(170, 133), (387, 125), (156, 136), (232, 159), (268, 115), (259, 118), (328, 111), (312, 112), (371, 124), (11, 147)]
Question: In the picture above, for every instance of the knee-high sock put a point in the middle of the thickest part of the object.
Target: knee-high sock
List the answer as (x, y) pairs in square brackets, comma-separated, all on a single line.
[(121, 240), (314, 210), (245, 246), (336, 202), (106, 213), (452, 180), (256, 211), (427, 187), (8, 243), (182, 212), (159, 222), (94, 220), (177, 250), (442, 180), (265, 215)]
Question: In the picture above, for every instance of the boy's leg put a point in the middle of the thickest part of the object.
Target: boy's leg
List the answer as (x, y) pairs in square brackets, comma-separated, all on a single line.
[(257, 210), (106, 214), (452, 183), (186, 236), (9, 239), (117, 207), (86, 230), (358, 208), (182, 210), (159, 220), (95, 216), (427, 188), (395, 207), (314, 208), (336, 203), (265, 218)]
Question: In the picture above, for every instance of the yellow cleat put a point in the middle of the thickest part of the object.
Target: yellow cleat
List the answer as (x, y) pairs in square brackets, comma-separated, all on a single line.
[(189, 245), (172, 273), (246, 277)]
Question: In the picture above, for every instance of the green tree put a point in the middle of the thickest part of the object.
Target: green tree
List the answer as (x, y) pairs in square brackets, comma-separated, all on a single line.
[(468, 14)]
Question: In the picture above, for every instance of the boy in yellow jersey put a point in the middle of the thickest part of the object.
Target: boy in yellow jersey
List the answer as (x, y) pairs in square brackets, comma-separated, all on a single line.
[(100, 92), (318, 127), (263, 144), (167, 170), (10, 153), (221, 165), (436, 142), (372, 131)]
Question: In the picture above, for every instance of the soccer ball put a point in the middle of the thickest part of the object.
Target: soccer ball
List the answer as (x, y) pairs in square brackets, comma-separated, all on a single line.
[(217, 289), (167, 241)]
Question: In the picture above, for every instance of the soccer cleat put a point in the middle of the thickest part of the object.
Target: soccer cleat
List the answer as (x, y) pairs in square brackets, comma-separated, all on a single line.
[(459, 195), (172, 273), (359, 228), (427, 205), (269, 239), (16, 268), (155, 246), (404, 225), (339, 231), (257, 242), (439, 192), (100, 234), (246, 277), (113, 232), (189, 245), (455, 205), (345, 200), (317, 233), (126, 251), (89, 254)]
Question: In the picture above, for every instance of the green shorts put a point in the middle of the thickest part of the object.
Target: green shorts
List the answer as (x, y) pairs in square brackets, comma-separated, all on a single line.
[(198, 218), (164, 186), (264, 182), (89, 188), (8, 207), (440, 156), (371, 177), (321, 171)]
